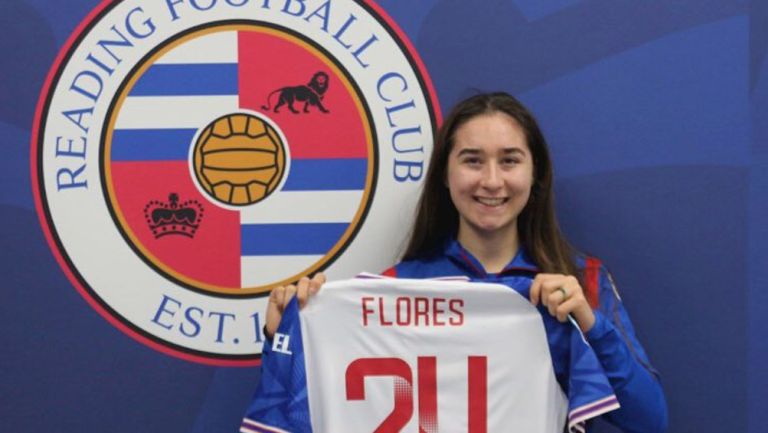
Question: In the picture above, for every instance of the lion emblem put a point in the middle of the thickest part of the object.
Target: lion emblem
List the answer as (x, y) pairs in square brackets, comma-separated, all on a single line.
[(311, 94)]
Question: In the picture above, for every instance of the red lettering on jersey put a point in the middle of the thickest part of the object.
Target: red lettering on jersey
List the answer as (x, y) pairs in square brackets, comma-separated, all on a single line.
[(422, 310), (437, 311), (412, 311), (400, 371), (456, 306), (427, 378), (477, 372), (382, 320), (403, 314), (403, 383), (366, 310)]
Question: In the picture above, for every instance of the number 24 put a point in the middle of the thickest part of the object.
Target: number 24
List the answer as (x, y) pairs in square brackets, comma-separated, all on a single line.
[(477, 367)]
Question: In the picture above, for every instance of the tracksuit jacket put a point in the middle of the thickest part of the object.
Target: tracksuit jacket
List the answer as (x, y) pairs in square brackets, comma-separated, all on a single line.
[(635, 382)]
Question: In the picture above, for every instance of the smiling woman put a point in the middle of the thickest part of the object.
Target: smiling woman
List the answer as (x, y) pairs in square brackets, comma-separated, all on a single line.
[(484, 124), (486, 214), (490, 174)]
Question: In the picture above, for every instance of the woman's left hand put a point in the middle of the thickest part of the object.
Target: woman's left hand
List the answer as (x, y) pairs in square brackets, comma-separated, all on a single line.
[(563, 295)]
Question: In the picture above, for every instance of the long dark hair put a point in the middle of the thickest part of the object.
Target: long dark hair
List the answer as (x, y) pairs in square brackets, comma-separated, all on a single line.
[(437, 219)]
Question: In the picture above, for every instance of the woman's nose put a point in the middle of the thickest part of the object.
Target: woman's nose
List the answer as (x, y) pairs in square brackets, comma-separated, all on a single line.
[(492, 176)]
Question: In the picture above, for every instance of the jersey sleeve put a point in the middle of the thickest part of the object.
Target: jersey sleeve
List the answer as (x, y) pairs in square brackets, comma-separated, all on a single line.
[(626, 364), (590, 393), (280, 403)]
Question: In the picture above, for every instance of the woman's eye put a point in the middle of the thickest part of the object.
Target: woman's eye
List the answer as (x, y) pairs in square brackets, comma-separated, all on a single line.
[(472, 161)]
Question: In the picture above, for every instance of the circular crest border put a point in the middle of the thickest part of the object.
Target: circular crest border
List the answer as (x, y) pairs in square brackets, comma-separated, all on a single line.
[(44, 213)]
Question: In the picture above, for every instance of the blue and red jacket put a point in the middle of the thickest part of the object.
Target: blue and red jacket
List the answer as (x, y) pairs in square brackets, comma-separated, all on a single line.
[(634, 381)]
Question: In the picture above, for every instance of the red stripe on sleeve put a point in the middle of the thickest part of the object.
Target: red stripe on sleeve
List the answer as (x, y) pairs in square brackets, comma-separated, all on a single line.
[(592, 281), (391, 272)]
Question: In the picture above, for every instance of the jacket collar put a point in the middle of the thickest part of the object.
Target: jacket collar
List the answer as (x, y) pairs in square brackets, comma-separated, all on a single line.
[(521, 262)]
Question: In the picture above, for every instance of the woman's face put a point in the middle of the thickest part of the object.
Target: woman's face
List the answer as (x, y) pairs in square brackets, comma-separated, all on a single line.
[(489, 175)]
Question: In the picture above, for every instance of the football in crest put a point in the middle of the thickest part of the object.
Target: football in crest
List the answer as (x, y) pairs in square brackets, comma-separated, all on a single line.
[(239, 159)]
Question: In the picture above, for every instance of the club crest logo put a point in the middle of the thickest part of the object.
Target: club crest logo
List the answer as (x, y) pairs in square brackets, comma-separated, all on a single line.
[(190, 156)]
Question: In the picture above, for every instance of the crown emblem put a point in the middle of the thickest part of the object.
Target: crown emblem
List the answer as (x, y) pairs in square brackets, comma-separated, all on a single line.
[(173, 218)]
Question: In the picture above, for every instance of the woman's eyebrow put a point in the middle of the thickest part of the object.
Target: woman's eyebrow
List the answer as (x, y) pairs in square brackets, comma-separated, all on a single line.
[(469, 150), (476, 151), (510, 150)]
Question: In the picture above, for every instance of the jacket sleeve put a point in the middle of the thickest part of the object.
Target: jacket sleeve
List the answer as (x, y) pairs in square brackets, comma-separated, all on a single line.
[(634, 380), (280, 402)]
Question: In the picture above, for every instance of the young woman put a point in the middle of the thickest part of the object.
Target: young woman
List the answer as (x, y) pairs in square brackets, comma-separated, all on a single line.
[(487, 212)]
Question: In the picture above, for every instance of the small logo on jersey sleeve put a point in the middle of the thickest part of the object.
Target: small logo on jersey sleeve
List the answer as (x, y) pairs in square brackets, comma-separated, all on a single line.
[(281, 344)]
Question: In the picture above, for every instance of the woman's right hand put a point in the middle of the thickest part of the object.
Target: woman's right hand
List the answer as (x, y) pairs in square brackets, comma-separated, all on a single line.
[(280, 296)]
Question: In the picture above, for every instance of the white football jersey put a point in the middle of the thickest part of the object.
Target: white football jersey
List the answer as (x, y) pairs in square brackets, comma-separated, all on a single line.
[(391, 355)]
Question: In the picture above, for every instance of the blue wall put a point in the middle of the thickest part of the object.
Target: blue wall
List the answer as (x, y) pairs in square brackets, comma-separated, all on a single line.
[(657, 116)]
